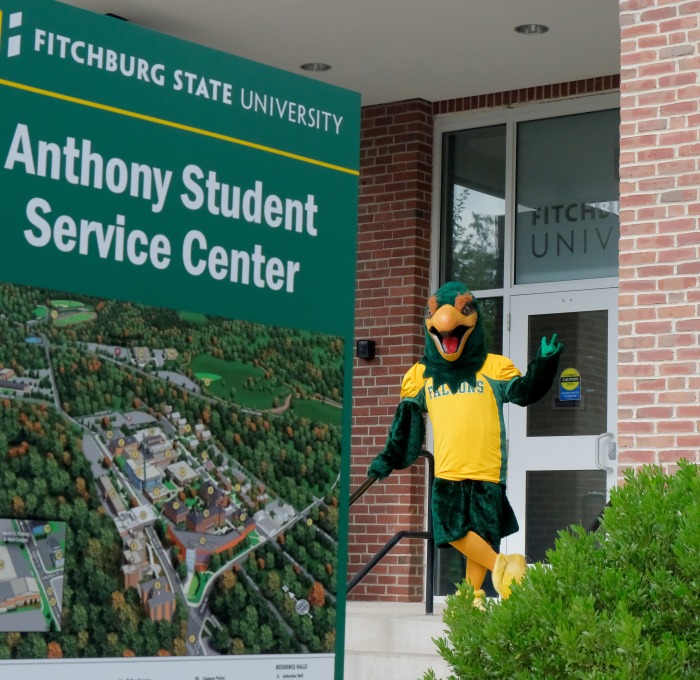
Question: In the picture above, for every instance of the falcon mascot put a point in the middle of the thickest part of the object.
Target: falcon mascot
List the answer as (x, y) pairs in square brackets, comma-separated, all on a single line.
[(463, 388)]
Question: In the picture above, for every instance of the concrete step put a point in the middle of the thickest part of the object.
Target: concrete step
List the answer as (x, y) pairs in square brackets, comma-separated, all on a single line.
[(396, 666), (392, 641)]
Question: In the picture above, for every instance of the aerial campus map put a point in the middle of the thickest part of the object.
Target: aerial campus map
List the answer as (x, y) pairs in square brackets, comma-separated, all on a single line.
[(168, 481)]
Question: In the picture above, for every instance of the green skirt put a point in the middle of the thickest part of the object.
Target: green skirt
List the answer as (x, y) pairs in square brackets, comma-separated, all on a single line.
[(469, 505)]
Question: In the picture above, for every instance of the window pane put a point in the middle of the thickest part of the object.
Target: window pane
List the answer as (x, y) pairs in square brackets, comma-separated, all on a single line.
[(557, 499), (567, 221), (583, 410), (473, 206)]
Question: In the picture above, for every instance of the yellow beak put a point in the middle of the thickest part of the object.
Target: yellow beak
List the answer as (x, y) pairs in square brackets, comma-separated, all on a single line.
[(450, 330)]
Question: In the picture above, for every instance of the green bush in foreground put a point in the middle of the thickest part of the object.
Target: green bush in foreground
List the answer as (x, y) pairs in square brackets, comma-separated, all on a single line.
[(622, 603)]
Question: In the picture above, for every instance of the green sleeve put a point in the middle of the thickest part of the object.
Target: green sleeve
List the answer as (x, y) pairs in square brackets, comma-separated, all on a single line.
[(405, 440), (532, 386)]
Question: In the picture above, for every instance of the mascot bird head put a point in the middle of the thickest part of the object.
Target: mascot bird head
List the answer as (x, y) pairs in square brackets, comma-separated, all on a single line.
[(455, 347)]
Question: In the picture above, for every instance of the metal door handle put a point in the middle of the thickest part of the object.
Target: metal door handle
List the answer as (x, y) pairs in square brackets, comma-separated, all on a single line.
[(605, 451)]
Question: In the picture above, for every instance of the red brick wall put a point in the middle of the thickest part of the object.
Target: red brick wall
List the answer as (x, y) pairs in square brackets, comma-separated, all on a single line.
[(659, 355), (392, 287), (575, 88)]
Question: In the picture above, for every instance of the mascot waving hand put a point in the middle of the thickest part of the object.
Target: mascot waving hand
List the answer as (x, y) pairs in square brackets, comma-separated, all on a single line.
[(463, 387)]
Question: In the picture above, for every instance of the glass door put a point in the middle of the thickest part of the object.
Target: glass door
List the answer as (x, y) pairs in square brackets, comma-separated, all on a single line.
[(562, 449), (528, 202)]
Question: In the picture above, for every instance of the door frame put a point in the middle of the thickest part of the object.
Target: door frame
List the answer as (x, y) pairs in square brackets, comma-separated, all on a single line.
[(509, 116), (584, 452)]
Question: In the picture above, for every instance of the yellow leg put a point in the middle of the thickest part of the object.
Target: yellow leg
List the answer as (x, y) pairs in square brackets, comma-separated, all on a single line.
[(475, 548), (481, 556), (476, 573)]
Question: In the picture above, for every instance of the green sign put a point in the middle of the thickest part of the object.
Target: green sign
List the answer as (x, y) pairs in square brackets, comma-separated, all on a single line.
[(138, 164), (178, 229)]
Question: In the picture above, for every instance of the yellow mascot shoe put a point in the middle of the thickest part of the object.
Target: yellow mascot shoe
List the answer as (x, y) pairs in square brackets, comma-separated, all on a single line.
[(479, 600), (508, 568)]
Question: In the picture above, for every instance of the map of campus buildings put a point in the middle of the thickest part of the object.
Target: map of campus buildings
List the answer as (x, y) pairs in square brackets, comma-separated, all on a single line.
[(185, 466), (32, 555)]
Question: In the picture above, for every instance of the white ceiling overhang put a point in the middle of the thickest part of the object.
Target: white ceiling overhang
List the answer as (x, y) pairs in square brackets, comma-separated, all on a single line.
[(391, 50)]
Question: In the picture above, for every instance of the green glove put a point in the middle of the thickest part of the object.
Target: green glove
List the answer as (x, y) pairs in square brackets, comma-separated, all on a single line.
[(379, 469), (550, 348)]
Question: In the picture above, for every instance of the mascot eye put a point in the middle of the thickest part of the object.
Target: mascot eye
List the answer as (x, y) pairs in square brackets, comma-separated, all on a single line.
[(468, 309)]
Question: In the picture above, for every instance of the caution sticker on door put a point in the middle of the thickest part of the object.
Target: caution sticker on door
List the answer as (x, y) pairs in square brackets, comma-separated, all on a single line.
[(570, 385)]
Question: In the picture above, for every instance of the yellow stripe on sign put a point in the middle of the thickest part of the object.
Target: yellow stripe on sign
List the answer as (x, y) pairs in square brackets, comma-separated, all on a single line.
[(0, 32), (177, 126)]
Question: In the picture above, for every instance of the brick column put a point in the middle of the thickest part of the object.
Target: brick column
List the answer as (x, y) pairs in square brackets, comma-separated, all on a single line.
[(392, 287), (659, 254)]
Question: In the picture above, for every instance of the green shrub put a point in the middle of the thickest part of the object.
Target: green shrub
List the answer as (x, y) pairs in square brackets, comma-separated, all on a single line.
[(622, 603)]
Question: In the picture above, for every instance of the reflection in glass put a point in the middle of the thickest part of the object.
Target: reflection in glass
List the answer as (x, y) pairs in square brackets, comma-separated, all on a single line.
[(473, 206), (557, 499), (567, 218), (491, 310)]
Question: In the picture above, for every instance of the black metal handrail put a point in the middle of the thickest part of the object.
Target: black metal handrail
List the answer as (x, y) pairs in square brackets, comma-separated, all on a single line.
[(361, 489), (427, 535)]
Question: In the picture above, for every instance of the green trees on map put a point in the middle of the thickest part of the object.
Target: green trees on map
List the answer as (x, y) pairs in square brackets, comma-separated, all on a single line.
[(286, 447), (315, 632), (16, 353), (42, 466), (303, 361), (312, 548), (235, 600), (289, 454)]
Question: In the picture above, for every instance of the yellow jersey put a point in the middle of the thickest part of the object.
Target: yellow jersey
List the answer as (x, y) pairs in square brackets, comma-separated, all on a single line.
[(468, 428)]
